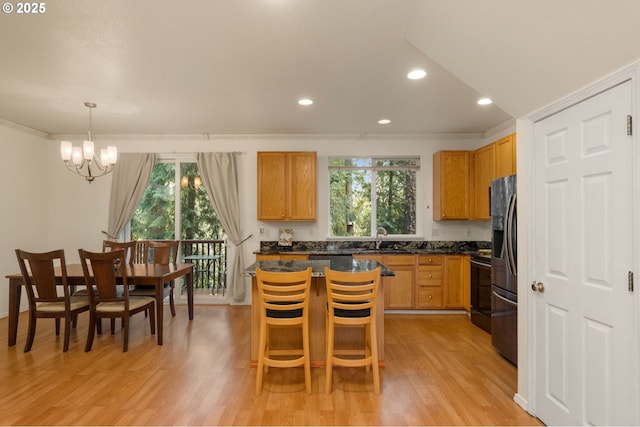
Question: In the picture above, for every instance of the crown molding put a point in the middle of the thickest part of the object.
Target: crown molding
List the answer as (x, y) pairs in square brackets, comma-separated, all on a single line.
[(271, 137), (23, 128)]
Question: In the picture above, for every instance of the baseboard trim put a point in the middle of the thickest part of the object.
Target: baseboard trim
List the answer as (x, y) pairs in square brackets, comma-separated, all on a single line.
[(425, 312)]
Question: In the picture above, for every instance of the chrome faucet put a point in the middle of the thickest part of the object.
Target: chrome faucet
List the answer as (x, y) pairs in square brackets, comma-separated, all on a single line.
[(378, 239)]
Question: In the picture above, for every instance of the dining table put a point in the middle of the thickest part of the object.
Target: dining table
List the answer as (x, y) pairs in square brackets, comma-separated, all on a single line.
[(137, 274)]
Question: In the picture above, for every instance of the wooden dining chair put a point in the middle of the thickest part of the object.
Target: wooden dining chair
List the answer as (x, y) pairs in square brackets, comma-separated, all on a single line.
[(130, 254), (351, 302), (105, 298), (284, 302), (39, 279), (159, 252), (130, 248)]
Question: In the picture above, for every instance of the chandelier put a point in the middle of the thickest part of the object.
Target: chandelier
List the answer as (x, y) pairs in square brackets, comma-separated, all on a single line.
[(82, 160)]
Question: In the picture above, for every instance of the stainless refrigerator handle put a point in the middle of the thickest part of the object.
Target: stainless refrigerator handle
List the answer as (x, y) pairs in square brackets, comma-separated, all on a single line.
[(512, 214), (506, 238)]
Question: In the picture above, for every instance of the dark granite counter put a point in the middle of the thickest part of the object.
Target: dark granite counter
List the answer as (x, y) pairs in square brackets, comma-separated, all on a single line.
[(349, 265), (387, 247)]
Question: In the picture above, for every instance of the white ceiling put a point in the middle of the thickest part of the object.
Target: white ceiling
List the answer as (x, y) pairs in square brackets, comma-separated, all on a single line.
[(239, 66)]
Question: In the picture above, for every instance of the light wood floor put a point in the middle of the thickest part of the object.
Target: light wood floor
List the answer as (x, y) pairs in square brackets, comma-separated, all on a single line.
[(440, 370)]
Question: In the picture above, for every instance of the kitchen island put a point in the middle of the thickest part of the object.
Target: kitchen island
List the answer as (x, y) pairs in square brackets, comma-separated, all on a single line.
[(286, 338)]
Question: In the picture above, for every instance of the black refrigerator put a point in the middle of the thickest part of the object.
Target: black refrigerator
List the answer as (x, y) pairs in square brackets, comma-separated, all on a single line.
[(504, 268)]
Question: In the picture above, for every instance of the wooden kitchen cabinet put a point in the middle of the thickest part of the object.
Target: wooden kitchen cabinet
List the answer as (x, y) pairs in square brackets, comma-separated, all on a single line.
[(456, 281), (451, 185), (425, 281), (429, 282), (399, 289), (505, 156), (492, 161), (484, 171), (287, 186)]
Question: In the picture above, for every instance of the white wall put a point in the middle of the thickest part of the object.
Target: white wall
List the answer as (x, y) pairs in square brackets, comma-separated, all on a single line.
[(24, 196), (64, 211)]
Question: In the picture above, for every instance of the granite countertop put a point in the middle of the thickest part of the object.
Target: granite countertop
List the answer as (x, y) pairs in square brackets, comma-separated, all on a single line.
[(349, 265), (387, 247)]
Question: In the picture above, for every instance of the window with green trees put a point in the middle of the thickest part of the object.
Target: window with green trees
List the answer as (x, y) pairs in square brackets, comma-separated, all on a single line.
[(175, 188), (367, 193)]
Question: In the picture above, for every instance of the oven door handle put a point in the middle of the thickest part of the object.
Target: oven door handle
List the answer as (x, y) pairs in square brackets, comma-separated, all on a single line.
[(504, 299), (480, 264)]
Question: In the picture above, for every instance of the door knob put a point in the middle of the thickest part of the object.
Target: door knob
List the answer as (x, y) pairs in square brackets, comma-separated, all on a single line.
[(537, 286)]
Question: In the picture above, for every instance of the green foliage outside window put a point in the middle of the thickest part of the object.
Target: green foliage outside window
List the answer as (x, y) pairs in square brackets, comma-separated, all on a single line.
[(199, 221), (155, 217), (352, 196)]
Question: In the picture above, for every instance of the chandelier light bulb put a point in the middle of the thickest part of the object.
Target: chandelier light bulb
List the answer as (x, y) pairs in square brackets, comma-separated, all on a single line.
[(88, 150), (113, 154), (76, 156), (104, 156), (65, 150)]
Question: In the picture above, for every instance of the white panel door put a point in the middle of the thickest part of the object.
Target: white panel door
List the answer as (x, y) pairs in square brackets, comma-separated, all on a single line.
[(583, 316)]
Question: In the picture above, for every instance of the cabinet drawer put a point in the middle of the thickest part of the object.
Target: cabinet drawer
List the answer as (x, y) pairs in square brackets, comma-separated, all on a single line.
[(429, 297), (399, 259), (289, 257), (429, 276), (430, 259), (263, 257)]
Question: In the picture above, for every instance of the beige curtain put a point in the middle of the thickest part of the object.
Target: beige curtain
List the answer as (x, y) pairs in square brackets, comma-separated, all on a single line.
[(220, 178), (131, 176)]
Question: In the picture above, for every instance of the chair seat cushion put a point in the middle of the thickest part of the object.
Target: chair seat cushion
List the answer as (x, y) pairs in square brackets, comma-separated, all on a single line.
[(116, 306), (339, 312), (58, 307), (284, 314), (84, 292)]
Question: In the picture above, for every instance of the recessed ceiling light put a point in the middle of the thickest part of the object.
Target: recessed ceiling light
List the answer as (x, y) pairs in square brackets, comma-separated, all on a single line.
[(384, 121), (484, 101), (305, 101), (416, 74)]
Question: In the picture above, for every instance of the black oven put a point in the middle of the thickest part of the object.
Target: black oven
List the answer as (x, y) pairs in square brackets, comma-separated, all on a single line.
[(481, 292)]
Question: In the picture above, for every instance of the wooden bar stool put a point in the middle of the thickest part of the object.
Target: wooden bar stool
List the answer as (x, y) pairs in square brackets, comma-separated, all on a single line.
[(284, 302), (351, 302)]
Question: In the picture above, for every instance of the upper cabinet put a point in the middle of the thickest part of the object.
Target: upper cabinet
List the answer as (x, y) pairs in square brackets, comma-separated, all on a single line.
[(506, 156), (484, 171), (286, 186), (451, 186), (462, 179)]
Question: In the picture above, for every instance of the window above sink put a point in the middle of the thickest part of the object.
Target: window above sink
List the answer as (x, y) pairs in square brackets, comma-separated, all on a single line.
[(367, 193)]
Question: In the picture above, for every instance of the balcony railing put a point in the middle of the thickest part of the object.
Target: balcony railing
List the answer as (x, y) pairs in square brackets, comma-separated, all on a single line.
[(210, 259)]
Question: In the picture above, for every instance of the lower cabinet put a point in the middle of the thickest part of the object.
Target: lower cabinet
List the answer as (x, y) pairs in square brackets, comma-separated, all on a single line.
[(425, 281), (429, 283), (456, 278), (401, 293)]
